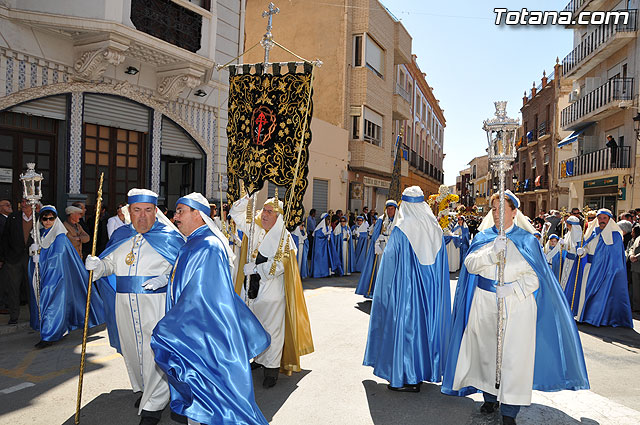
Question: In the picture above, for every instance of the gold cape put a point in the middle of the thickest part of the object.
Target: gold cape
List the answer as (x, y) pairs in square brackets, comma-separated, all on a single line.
[(297, 328)]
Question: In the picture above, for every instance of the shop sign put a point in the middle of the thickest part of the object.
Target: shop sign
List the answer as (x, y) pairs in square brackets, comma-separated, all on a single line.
[(372, 181), (609, 181)]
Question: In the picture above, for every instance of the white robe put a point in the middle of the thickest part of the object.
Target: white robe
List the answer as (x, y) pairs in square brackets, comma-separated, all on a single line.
[(301, 239), (136, 316), (269, 305), (344, 233), (476, 365), (453, 253)]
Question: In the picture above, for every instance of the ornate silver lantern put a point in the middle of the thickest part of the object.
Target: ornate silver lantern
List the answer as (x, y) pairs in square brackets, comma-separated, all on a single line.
[(501, 135), (31, 184)]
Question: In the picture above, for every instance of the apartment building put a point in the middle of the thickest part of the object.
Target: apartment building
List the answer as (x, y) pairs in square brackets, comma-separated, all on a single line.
[(358, 111), (464, 186), (480, 187), (124, 87), (536, 165), (602, 70), (423, 129)]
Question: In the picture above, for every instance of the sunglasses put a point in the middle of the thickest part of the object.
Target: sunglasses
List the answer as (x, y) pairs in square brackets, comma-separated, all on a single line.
[(50, 218)]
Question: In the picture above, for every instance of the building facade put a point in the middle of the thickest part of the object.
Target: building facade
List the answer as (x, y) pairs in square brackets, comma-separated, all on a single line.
[(480, 182), (357, 99), (536, 165), (602, 70), (124, 87), (423, 131)]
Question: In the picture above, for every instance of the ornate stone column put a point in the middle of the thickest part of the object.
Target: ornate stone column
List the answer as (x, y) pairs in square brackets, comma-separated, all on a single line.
[(156, 141), (75, 144)]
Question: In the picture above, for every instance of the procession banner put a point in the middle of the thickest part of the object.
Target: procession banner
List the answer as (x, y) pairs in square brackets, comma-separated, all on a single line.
[(267, 114)]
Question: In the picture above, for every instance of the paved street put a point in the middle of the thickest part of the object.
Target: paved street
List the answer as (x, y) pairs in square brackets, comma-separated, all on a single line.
[(39, 386)]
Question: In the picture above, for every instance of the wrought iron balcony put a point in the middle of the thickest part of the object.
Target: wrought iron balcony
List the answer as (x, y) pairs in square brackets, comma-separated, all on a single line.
[(596, 101), (592, 162), (403, 93), (543, 129), (599, 37)]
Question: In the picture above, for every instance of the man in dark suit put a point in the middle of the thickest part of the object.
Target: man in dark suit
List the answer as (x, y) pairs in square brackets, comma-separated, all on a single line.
[(14, 251), (5, 210)]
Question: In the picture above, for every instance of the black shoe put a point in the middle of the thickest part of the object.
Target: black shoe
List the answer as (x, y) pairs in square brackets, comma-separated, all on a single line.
[(137, 403), (13, 322), (148, 420), (255, 365), (176, 417), (409, 388), (489, 407), (43, 344), (148, 417), (508, 420), (269, 381)]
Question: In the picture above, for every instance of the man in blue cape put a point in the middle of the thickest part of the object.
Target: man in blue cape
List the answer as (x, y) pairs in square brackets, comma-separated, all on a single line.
[(63, 283), (134, 271), (208, 335), (411, 310), (541, 345), (381, 231), (604, 300), (343, 244), (361, 238)]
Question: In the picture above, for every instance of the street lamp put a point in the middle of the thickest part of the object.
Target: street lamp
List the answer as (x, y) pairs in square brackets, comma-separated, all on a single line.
[(636, 125)]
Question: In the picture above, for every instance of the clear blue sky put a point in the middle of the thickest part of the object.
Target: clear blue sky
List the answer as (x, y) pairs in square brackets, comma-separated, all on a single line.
[(470, 62)]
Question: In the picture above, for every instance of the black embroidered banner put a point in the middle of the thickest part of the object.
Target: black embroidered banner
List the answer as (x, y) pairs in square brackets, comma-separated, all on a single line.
[(267, 114)]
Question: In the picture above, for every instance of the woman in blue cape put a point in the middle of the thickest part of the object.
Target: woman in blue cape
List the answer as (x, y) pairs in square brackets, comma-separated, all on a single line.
[(361, 239), (457, 244), (553, 254), (379, 236), (63, 284), (324, 260), (541, 346), (411, 310)]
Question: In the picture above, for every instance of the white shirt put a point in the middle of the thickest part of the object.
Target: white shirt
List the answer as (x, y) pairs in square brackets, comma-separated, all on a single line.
[(112, 224)]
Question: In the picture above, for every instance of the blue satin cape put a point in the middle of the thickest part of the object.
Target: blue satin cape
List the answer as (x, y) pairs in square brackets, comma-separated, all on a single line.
[(571, 280), (559, 361), (323, 256), (163, 239), (338, 239), (304, 268), (367, 281), (464, 242), (555, 263), (410, 316), (606, 300), (63, 291), (207, 337), (360, 250)]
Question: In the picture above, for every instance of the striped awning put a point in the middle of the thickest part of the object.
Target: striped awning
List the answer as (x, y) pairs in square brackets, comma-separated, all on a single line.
[(573, 136)]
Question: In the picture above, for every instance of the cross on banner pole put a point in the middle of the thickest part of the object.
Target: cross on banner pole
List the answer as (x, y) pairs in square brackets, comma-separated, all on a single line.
[(267, 40)]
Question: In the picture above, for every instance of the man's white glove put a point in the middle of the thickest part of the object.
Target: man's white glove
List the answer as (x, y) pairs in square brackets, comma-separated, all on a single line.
[(35, 257), (249, 268), (504, 290), (499, 244), (378, 249), (561, 242), (95, 264), (33, 249), (156, 282), (581, 252)]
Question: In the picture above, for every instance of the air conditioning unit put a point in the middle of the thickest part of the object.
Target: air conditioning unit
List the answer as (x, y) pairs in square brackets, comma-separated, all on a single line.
[(574, 95)]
